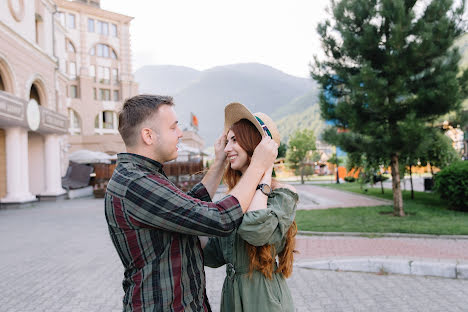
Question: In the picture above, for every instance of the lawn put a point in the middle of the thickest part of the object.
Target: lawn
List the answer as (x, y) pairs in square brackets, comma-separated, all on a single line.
[(426, 214)]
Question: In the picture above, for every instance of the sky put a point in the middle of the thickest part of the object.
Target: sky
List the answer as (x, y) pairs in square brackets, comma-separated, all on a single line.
[(207, 33)]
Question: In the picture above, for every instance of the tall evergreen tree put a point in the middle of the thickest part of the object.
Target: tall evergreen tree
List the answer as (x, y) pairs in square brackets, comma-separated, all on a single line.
[(389, 70)]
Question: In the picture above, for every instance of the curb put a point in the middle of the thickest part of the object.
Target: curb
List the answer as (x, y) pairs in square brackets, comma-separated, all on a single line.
[(381, 235), (384, 265)]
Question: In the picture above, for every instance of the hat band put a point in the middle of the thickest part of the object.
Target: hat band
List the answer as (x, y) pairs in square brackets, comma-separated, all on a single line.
[(264, 127)]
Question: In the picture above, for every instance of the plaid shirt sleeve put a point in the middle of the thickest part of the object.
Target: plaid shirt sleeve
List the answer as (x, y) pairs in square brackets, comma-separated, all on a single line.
[(199, 191), (152, 201)]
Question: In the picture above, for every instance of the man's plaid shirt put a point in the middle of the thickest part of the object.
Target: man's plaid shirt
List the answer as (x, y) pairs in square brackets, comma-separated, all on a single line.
[(154, 227)]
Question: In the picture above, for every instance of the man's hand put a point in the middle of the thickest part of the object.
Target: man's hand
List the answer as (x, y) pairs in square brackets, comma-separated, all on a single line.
[(220, 156), (265, 154)]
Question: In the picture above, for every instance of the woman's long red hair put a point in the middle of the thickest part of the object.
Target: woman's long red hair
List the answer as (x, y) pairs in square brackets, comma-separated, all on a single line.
[(261, 258)]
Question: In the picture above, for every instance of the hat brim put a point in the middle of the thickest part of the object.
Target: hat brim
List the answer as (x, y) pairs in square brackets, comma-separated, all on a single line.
[(236, 111)]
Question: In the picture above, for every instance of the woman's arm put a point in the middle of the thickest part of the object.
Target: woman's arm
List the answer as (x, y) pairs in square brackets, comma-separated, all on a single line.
[(259, 201)]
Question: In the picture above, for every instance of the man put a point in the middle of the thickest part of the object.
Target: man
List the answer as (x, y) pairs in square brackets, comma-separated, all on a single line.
[(153, 224)]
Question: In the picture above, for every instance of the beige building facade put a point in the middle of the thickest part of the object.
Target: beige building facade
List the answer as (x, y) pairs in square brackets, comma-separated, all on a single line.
[(95, 54), (61, 83), (33, 117)]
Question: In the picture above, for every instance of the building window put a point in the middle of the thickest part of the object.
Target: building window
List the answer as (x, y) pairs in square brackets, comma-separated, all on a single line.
[(103, 50), (75, 123), (104, 94), (71, 21), (114, 30), (72, 70), (102, 28), (106, 122), (61, 17), (95, 93), (104, 74), (2, 85), (116, 95), (115, 75), (74, 92), (90, 25)]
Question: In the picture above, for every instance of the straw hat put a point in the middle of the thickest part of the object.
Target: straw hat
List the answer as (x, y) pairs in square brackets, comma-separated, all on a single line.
[(235, 111)]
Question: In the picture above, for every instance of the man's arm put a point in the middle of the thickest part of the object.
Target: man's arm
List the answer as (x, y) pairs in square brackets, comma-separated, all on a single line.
[(213, 177), (262, 159), (153, 202)]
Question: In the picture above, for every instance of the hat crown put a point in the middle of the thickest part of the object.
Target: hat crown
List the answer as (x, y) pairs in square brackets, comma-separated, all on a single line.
[(234, 112)]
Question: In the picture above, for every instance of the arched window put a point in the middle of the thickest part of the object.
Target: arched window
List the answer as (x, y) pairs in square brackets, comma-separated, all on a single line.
[(38, 92), (34, 94), (103, 50), (106, 122), (75, 122), (2, 85), (6, 83)]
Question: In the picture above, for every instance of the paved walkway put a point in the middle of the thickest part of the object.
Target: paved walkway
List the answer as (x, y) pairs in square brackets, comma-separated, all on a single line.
[(57, 256), (319, 197)]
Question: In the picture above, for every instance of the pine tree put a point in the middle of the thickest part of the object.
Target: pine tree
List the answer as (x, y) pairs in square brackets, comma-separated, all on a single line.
[(389, 70)]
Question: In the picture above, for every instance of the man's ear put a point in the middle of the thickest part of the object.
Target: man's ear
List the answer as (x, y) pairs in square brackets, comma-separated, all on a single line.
[(148, 136)]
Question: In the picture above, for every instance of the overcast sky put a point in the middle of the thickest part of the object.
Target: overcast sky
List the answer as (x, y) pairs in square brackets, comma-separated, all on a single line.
[(206, 33)]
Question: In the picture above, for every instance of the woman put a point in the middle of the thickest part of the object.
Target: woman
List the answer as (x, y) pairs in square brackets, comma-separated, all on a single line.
[(254, 281)]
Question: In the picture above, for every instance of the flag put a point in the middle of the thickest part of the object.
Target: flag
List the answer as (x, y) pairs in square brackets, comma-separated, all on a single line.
[(194, 120)]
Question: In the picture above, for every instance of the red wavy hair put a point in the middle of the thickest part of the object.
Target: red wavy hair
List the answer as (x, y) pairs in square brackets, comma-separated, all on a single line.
[(261, 258)]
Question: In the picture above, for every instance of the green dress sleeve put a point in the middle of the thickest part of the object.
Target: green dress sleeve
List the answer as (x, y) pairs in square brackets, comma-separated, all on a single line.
[(269, 226), (213, 253)]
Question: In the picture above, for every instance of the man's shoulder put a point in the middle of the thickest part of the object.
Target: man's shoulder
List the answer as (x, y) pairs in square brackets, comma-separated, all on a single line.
[(124, 175)]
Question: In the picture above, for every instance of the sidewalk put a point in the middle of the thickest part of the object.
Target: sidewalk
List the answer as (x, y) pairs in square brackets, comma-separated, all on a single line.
[(430, 256), (427, 255)]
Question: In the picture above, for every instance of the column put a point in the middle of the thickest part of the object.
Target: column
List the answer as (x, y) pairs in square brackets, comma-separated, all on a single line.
[(53, 177), (17, 171)]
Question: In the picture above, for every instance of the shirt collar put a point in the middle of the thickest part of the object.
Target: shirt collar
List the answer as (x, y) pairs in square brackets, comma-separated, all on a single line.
[(140, 160)]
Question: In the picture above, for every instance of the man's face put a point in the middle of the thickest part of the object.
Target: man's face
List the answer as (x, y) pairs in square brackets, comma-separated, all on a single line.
[(167, 133)]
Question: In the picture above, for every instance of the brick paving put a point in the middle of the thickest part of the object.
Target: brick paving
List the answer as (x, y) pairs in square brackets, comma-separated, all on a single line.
[(327, 247), (57, 256)]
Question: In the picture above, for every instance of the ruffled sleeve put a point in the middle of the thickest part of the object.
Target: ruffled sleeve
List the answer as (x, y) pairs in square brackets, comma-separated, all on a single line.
[(269, 226)]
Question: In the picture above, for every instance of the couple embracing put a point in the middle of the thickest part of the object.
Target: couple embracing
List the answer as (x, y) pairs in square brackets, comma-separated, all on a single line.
[(164, 236)]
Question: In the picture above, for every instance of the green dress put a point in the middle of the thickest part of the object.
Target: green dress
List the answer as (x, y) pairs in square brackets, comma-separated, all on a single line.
[(260, 227)]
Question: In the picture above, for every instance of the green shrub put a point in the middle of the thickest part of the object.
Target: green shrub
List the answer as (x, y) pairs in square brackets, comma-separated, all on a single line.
[(452, 185), (349, 179)]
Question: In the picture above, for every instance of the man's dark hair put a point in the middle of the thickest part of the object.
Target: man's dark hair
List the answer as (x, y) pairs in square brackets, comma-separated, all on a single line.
[(136, 110)]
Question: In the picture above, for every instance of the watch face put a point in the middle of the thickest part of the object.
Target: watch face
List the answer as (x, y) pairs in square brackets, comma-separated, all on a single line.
[(265, 188)]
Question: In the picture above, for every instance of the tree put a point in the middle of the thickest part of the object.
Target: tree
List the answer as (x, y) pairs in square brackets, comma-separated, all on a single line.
[(299, 146), (389, 70), (282, 150), (335, 161)]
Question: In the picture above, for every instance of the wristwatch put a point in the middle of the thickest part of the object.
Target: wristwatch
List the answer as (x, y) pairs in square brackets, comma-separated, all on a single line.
[(265, 188)]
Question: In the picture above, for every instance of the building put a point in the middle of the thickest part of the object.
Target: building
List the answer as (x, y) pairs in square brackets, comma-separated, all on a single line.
[(94, 53), (32, 106), (64, 68)]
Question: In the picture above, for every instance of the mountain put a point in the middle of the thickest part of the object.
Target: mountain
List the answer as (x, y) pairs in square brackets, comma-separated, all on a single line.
[(306, 115), (164, 79), (257, 86)]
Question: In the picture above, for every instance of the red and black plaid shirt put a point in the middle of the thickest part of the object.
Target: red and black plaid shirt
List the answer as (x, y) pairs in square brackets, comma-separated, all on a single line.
[(154, 228)]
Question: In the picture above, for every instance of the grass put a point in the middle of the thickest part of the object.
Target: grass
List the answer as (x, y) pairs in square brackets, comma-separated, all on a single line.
[(426, 214)]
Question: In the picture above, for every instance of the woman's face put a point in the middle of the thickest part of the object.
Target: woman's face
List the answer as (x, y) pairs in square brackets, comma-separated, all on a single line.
[(235, 154)]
